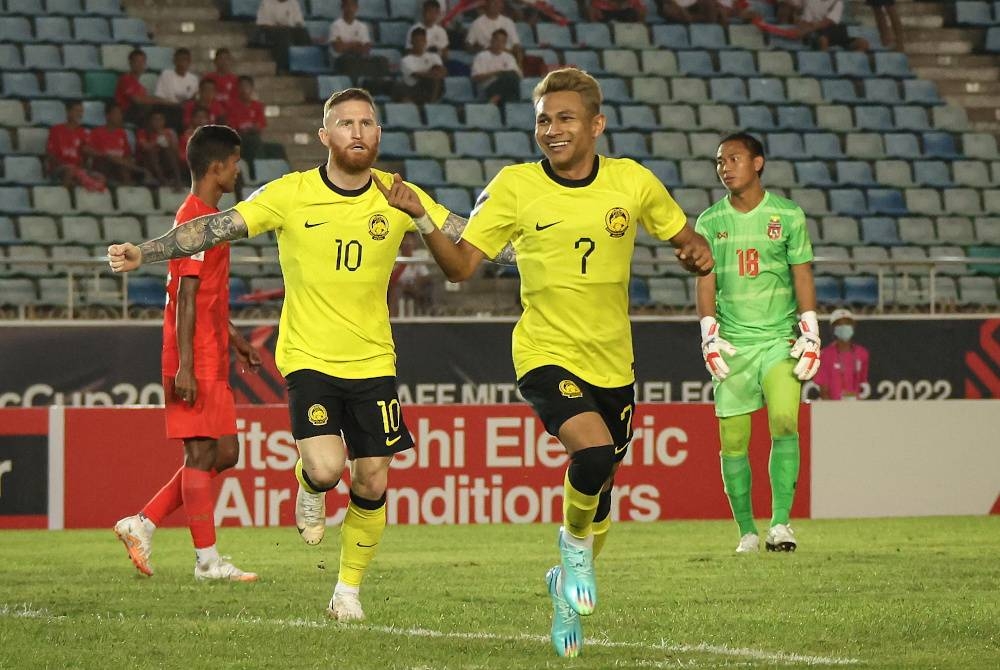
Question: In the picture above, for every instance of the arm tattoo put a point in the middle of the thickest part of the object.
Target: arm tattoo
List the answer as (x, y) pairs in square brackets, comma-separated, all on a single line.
[(196, 235), (453, 228)]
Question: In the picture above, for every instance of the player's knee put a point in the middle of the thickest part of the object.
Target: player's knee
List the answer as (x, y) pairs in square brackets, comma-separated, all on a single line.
[(734, 434), (783, 424), (227, 454), (590, 468), (200, 454)]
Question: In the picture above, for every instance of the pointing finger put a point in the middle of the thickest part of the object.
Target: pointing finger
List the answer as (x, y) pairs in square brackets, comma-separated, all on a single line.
[(380, 186)]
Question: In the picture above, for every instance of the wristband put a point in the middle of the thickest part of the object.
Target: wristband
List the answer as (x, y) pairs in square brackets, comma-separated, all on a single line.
[(808, 319), (706, 325), (424, 225)]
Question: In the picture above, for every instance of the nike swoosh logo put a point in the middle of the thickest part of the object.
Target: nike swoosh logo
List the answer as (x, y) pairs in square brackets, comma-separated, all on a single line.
[(539, 226), (619, 450), (393, 441), (313, 225), (365, 546)]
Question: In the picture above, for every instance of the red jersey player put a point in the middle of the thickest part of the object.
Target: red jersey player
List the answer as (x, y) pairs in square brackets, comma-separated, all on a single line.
[(200, 409)]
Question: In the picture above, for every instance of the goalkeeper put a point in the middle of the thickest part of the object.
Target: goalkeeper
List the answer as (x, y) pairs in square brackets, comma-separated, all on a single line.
[(748, 308)]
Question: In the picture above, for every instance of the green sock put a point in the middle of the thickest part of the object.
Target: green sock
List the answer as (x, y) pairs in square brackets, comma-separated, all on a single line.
[(736, 477), (784, 471)]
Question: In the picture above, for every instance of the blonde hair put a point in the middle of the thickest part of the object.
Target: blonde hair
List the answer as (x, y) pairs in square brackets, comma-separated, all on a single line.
[(338, 97), (571, 79)]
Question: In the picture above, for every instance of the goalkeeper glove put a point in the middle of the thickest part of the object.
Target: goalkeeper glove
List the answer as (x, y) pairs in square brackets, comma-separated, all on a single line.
[(806, 348), (712, 348)]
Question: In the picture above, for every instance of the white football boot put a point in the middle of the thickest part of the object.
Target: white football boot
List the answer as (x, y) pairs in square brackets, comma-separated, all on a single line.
[(345, 607), (310, 515), (138, 541), (780, 538), (749, 544), (222, 570)]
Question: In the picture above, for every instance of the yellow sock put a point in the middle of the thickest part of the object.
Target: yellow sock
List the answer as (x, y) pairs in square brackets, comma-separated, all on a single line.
[(600, 530), (359, 538), (302, 480), (578, 510)]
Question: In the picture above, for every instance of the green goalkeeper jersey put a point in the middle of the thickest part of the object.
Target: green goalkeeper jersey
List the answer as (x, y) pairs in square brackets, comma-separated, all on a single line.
[(754, 292)]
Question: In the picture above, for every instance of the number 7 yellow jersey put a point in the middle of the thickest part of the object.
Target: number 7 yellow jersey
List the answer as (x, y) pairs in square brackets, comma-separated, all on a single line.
[(574, 242), (337, 249)]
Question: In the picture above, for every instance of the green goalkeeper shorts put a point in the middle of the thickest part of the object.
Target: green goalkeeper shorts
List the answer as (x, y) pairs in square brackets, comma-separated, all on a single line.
[(742, 391)]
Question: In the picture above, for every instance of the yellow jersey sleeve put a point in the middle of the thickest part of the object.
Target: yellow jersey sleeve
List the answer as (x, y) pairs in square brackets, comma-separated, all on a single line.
[(662, 217), (493, 221), (268, 206)]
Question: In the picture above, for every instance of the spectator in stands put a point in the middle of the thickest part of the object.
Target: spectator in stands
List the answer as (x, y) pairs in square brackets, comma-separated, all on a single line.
[(67, 147), (246, 115), (437, 36), (821, 28), (134, 99), (411, 282), (423, 72), (495, 71), (351, 45), (844, 372), (482, 30), (280, 24), (110, 151), (178, 84), (616, 10), (208, 99), (890, 29), (157, 151), (690, 11), (200, 116), (226, 81)]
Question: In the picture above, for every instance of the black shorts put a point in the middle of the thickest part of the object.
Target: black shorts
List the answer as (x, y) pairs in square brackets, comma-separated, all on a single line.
[(881, 3), (557, 395), (836, 34), (365, 412)]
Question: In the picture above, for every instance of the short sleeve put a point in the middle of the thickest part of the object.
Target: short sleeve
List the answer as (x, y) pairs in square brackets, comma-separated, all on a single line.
[(799, 245), (660, 214), (267, 207), (494, 218), (190, 266)]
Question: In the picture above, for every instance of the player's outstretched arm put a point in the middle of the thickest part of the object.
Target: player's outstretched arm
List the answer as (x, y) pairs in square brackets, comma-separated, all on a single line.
[(455, 224), (186, 239), (693, 251)]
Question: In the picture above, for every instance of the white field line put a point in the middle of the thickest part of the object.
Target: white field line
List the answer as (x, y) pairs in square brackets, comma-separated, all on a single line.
[(26, 610)]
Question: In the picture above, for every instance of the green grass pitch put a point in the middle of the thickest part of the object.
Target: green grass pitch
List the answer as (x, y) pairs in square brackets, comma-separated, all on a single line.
[(883, 593)]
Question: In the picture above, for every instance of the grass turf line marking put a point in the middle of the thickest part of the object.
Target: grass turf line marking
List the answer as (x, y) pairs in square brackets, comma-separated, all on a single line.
[(26, 611)]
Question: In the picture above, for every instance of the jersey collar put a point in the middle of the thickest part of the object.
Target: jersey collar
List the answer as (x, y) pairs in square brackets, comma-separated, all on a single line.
[(347, 193), (572, 183)]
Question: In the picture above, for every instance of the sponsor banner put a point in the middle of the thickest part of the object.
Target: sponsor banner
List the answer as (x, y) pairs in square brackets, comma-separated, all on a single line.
[(472, 464), (24, 468), (444, 363)]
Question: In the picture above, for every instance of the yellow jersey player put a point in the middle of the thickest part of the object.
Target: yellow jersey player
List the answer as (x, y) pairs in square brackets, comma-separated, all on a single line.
[(572, 220), (337, 243)]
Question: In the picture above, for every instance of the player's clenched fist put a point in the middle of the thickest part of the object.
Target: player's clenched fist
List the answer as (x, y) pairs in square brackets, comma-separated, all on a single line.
[(124, 257), (712, 348), (807, 347), (695, 255)]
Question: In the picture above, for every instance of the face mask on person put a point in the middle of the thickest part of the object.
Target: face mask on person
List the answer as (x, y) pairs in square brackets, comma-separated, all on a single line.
[(844, 332)]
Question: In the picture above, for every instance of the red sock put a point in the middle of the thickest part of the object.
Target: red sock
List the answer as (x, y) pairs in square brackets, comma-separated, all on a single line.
[(165, 501), (198, 503)]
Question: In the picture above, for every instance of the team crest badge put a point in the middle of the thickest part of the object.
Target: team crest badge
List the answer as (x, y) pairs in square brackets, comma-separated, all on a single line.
[(569, 389), (318, 415), (774, 227), (616, 221), (378, 227)]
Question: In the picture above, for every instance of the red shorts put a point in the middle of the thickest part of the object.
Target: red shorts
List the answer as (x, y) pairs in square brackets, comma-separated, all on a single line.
[(212, 415)]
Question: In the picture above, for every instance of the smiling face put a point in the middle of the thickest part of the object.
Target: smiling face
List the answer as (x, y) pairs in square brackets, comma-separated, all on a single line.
[(566, 131), (737, 167), (352, 135)]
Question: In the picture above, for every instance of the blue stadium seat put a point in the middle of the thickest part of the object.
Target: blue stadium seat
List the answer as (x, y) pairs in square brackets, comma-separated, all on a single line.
[(855, 173), (15, 200), (328, 83), (404, 9), (266, 170), (892, 64), (671, 36), (795, 118), (424, 172), (940, 145), (615, 90), (630, 35), (100, 7), (393, 33), (902, 145), (638, 292), (707, 36), (32, 140), (828, 289), (308, 60), (737, 64), (514, 143), (54, 29), (459, 89), (24, 170), (923, 201), (245, 10), (813, 173), (755, 117), (767, 90), (455, 199), (873, 117), (729, 90), (481, 115), (27, 7), (852, 64), (584, 59), (594, 35), (92, 30), (886, 201), (473, 143), (785, 145), (553, 35), (15, 29), (821, 145), (82, 57), (881, 90), (695, 63), (445, 115), (839, 90), (65, 7), (665, 170), (20, 85), (653, 90), (630, 145), (47, 112), (848, 201), (639, 117), (11, 115), (519, 115), (993, 39), (921, 91), (931, 173), (910, 117), (861, 291), (814, 64), (973, 14), (879, 231), (63, 85)]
